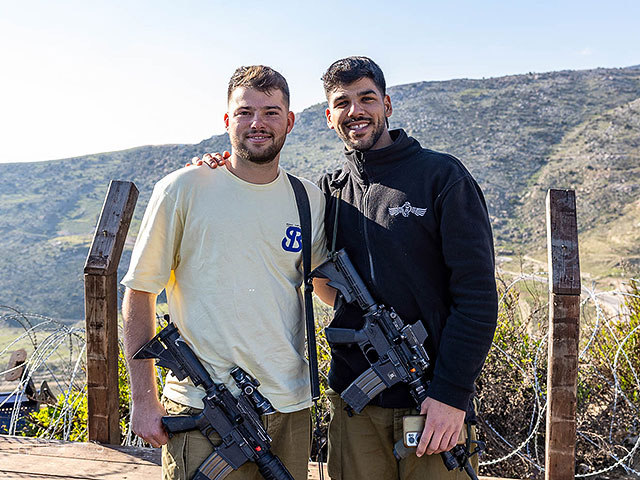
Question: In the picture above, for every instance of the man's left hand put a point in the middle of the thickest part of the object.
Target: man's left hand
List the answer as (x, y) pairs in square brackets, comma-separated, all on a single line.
[(212, 159), (441, 427)]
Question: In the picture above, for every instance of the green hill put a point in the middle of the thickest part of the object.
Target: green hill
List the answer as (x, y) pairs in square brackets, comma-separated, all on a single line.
[(519, 135), (600, 160)]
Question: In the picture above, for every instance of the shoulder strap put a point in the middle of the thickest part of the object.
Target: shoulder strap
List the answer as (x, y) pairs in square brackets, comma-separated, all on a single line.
[(304, 211), (335, 221)]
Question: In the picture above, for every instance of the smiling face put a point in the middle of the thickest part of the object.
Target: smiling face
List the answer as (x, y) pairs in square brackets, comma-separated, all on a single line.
[(358, 113), (257, 123)]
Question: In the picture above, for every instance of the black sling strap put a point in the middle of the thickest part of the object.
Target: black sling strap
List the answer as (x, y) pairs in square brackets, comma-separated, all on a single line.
[(304, 211)]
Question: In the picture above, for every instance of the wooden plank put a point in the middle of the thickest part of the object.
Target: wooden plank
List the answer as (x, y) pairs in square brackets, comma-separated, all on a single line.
[(24, 457), (75, 468), (101, 311), (562, 242), (34, 458), (84, 450), (564, 330), (111, 230)]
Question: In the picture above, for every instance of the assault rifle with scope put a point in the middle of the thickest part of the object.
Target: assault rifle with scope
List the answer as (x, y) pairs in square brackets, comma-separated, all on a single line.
[(235, 420), (395, 350)]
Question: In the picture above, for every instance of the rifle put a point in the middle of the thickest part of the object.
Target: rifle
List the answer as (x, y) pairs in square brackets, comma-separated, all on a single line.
[(395, 350), (236, 420)]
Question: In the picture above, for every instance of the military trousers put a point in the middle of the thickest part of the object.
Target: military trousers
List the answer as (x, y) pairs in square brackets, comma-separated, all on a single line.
[(361, 447), (291, 443)]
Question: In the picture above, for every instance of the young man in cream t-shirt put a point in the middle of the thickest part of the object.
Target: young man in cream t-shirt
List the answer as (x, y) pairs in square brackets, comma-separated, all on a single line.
[(226, 246)]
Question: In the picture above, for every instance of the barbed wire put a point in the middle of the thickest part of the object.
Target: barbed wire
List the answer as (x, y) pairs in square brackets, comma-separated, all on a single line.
[(618, 377), (621, 368)]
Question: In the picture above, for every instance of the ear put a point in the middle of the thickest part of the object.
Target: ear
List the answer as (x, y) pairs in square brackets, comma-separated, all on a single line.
[(226, 121), (291, 118), (388, 109), (327, 114)]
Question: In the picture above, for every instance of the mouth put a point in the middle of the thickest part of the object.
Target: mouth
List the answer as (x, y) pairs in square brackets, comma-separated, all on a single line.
[(357, 126), (258, 138)]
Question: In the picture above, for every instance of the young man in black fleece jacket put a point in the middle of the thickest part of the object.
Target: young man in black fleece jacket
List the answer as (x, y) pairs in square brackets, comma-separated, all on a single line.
[(415, 224), (416, 227)]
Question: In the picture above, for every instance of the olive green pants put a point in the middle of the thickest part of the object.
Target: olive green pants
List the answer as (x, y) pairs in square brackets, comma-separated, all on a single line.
[(291, 442), (361, 447)]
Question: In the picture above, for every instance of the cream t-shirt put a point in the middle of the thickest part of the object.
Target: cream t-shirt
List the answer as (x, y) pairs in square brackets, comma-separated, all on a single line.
[(229, 255)]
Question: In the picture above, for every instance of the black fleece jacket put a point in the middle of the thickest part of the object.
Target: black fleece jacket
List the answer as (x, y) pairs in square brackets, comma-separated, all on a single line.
[(414, 223)]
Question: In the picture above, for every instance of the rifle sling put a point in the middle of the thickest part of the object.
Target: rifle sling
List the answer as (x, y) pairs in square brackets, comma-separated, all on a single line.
[(304, 211)]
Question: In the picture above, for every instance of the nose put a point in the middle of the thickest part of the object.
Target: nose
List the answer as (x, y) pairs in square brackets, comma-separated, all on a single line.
[(256, 121), (355, 109)]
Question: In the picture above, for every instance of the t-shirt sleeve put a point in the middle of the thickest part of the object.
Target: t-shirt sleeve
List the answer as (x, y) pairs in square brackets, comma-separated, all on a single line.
[(156, 251)]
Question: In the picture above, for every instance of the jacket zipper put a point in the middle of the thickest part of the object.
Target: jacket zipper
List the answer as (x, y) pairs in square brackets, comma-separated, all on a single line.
[(365, 197)]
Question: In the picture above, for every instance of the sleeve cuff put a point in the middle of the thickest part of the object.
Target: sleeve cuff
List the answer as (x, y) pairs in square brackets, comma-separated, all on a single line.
[(450, 394)]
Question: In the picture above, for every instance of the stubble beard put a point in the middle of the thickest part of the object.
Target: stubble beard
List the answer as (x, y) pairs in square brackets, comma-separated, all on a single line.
[(262, 157), (364, 144)]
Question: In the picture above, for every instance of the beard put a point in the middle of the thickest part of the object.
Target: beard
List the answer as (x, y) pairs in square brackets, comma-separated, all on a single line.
[(361, 144), (260, 156)]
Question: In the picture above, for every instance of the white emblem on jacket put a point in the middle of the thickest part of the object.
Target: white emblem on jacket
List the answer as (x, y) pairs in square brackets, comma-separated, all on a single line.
[(406, 209)]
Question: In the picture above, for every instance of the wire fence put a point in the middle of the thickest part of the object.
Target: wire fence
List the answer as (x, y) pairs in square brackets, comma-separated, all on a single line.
[(512, 392), (511, 399)]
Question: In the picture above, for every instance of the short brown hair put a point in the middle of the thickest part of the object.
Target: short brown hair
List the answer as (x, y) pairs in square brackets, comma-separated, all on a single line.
[(262, 78)]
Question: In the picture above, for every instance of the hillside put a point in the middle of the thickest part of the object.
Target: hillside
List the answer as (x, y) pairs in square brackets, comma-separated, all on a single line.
[(518, 135), (600, 160)]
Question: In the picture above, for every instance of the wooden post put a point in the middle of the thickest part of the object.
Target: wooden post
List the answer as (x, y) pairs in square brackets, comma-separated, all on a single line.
[(564, 327), (101, 311)]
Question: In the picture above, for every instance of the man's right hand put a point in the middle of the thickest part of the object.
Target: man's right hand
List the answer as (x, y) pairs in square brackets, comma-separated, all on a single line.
[(146, 422), (214, 160)]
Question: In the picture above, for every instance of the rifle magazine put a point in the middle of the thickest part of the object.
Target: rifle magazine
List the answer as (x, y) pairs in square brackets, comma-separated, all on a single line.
[(363, 390), (213, 468)]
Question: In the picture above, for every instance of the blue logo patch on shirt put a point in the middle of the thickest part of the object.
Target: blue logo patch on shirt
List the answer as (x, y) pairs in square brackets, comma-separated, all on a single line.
[(292, 242)]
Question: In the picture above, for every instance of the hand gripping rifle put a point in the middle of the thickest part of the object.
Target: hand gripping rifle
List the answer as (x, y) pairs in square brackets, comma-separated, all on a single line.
[(236, 420), (395, 350)]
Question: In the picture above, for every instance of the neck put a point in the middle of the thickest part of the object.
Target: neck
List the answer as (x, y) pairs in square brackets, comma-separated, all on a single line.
[(253, 172), (384, 140)]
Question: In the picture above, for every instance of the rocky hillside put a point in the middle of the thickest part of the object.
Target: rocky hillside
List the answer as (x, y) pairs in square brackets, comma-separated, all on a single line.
[(519, 135)]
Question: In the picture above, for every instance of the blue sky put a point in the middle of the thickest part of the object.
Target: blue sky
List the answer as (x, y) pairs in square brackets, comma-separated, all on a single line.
[(81, 77)]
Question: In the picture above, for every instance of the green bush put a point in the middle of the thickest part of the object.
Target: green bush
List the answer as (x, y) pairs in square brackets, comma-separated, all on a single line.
[(67, 419)]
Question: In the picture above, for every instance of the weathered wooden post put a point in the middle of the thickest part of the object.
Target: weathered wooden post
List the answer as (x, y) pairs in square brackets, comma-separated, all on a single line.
[(564, 327), (101, 311)]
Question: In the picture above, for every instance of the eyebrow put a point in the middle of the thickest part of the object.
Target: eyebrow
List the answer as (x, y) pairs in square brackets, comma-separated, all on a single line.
[(266, 107), (362, 93)]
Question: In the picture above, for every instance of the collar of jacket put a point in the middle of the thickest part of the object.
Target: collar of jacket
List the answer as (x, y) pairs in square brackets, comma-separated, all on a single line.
[(372, 164)]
